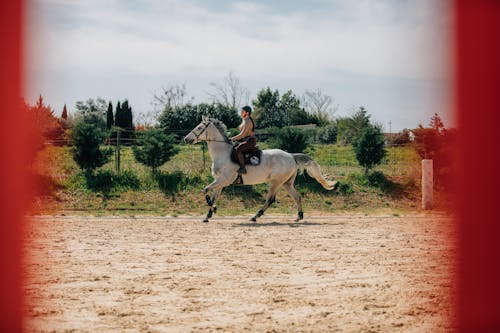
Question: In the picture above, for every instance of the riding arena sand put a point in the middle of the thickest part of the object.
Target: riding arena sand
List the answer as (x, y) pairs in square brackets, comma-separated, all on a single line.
[(328, 273)]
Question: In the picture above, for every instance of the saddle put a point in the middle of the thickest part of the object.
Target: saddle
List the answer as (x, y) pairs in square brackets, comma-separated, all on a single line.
[(252, 157)]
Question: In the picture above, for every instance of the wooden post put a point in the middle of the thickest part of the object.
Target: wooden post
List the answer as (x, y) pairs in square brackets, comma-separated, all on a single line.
[(117, 151), (427, 184), (203, 153)]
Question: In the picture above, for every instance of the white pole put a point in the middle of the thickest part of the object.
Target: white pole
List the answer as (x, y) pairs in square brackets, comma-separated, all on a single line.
[(427, 184)]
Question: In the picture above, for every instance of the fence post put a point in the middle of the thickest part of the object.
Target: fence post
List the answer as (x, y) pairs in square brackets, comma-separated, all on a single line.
[(117, 151), (203, 153), (427, 184)]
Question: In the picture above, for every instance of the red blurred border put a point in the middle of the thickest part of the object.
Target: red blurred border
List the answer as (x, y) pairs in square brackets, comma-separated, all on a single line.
[(477, 92), (477, 102), (12, 166)]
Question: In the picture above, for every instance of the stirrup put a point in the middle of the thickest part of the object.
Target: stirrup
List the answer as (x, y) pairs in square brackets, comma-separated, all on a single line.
[(242, 171)]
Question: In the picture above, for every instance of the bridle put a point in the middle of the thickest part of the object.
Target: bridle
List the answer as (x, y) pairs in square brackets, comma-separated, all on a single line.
[(204, 130)]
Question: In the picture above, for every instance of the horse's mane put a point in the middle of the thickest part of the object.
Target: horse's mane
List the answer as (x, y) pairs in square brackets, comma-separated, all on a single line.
[(220, 126)]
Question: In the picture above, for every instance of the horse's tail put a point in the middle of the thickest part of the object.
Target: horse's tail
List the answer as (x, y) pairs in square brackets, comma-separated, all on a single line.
[(313, 169)]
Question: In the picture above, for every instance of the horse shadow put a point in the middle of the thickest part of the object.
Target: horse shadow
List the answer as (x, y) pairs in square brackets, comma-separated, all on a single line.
[(276, 224), (250, 195)]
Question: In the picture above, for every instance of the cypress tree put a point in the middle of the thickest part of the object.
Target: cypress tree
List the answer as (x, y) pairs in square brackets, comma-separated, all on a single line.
[(64, 114), (118, 114), (130, 121), (109, 117)]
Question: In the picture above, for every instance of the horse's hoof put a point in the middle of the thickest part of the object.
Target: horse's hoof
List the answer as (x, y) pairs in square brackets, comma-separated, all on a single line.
[(253, 219), (205, 221)]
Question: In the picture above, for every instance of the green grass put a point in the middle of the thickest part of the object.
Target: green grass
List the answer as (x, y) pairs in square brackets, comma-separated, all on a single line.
[(177, 190)]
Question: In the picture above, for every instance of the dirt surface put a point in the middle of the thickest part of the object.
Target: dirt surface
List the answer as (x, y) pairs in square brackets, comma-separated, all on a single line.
[(331, 273)]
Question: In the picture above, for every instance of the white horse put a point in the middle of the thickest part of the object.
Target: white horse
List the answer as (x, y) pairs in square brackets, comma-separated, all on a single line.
[(276, 167)]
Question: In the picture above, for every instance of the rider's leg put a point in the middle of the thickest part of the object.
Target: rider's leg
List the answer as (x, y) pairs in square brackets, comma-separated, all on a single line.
[(241, 159)]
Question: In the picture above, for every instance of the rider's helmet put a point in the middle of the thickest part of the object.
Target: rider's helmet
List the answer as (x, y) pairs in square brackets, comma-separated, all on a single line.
[(247, 108)]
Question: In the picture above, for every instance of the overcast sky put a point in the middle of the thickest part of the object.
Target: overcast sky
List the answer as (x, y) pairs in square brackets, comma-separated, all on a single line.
[(392, 57)]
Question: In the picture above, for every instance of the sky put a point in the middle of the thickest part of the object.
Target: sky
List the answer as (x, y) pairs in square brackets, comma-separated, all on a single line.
[(392, 57)]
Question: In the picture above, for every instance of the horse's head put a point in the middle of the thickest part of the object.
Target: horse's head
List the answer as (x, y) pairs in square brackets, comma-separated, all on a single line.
[(199, 133), (208, 130)]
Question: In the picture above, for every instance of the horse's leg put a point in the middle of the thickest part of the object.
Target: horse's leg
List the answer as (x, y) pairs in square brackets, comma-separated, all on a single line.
[(216, 187), (288, 185), (271, 197), (211, 200)]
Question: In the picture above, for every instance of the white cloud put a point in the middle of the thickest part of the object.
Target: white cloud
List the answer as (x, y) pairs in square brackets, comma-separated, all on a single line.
[(182, 37), (387, 55)]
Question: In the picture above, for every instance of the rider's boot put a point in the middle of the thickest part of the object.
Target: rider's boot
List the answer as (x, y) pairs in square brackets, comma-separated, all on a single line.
[(241, 161)]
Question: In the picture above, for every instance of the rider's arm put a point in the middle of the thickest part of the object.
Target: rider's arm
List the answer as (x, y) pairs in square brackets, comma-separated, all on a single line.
[(243, 132)]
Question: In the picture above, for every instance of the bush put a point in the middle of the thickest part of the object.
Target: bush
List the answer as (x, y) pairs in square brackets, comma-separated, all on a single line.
[(291, 140), (86, 151), (184, 118), (328, 134), (345, 188), (154, 148), (106, 181), (369, 147), (169, 183)]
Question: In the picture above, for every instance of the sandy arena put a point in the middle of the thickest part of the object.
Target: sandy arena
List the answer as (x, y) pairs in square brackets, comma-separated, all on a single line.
[(335, 273)]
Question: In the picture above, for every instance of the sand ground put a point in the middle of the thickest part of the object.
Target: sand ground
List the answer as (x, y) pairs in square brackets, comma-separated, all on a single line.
[(334, 273)]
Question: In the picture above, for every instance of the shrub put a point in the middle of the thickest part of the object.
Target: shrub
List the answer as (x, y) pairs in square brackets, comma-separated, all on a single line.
[(106, 181), (328, 134), (345, 188), (291, 140), (86, 151), (154, 148), (169, 183), (369, 147)]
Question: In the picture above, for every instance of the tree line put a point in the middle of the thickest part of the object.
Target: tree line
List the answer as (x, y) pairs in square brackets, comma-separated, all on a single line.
[(96, 121)]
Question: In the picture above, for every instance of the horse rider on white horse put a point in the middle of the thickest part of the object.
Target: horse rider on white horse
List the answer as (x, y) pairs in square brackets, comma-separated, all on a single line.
[(276, 167), (246, 137)]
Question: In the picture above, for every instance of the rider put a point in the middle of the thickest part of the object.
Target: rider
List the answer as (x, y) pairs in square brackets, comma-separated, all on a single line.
[(246, 137)]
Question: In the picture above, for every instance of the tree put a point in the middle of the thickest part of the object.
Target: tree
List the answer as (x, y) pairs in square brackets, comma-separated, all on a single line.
[(45, 125), (86, 152), (267, 109), (428, 140), (295, 114), (229, 93), (319, 105), (436, 123), (291, 140), (173, 97), (64, 114), (92, 112), (66, 121), (349, 128), (154, 148), (369, 147), (124, 120), (437, 143), (273, 111), (183, 119), (110, 121)]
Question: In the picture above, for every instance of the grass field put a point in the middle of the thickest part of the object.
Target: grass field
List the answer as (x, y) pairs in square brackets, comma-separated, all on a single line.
[(178, 191)]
